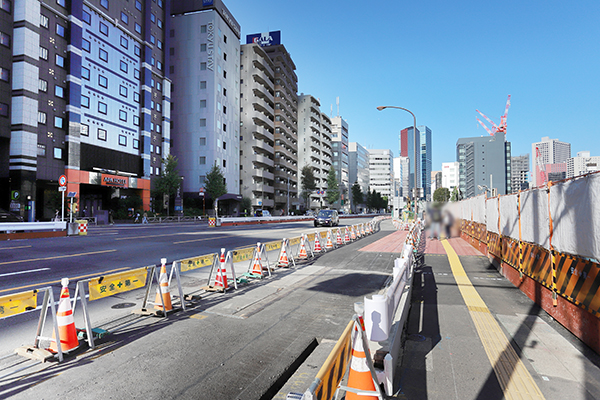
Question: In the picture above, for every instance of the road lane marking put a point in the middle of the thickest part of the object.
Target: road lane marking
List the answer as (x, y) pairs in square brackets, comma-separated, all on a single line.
[(199, 240), (16, 247), (513, 377), (24, 272), (57, 257), (71, 279)]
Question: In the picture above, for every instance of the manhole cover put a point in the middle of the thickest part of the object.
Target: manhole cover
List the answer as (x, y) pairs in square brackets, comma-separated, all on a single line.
[(416, 337), (123, 305)]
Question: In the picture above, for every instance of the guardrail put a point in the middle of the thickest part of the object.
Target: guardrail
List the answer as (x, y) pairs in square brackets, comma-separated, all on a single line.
[(32, 226)]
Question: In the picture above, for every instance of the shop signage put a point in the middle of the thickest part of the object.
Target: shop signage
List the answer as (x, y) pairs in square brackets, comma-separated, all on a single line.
[(113, 180)]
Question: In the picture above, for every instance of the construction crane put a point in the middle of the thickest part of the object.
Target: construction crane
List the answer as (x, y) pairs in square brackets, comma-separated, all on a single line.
[(541, 168), (495, 128)]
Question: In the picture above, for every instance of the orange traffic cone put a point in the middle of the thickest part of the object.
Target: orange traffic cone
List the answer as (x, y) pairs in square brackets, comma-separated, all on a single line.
[(362, 229), (346, 236), (339, 237), (257, 267), (221, 277), (352, 234), (302, 254), (163, 281), (283, 258), (318, 248), (329, 244), (66, 322), (359, 376)]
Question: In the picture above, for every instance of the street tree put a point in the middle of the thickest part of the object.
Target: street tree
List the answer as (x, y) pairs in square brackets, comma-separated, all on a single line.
[(215, 183), (441, 195), (357, 195), (456, 195), (333, 188), (307, 180), (167, 183)]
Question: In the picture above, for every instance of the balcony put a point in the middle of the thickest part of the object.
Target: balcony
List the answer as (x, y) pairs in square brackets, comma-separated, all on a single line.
[(264, 203), (261, 119), (261, 131), (258, 158), (262, 188), (263, 174), (260, 104), (260, 144)]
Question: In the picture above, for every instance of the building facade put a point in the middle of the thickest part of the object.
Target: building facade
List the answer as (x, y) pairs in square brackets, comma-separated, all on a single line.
[(484, 161), (204, 54), (519, 173), (426, 156), (381, 172), (551, 151), (407, 146), (582, 164), (341, 159), (450, 175), (358, 166), (85, 93)]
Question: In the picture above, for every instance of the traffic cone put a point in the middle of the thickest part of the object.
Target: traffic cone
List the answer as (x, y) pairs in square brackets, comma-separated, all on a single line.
[(362, 229), (318, 248), (339, 237), (283, 258), (302, 254), (329, 244), (359, 376), (257, 267), (221, 278), (352, 234), (66, 322), (347, 236), (163, 281)]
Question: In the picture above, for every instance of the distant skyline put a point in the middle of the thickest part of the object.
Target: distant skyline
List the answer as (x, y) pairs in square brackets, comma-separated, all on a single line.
[(443, 60)]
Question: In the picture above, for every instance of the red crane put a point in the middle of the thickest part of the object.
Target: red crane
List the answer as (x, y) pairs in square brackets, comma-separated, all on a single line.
[(496, 128)]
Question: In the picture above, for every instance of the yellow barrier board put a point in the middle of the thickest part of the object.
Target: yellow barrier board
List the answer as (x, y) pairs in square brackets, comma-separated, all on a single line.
[(242, 254), (108, 285), (311, 237), (190, 264), (323, 234), (17, 303), (295, 241), (273, 245), (331, 373)]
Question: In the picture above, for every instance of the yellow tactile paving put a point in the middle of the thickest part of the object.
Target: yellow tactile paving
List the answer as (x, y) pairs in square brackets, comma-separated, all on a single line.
[(515, 380)]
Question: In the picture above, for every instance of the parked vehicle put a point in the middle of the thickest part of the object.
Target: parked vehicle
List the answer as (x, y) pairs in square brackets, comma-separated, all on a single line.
[(327, 218), (7, 216)]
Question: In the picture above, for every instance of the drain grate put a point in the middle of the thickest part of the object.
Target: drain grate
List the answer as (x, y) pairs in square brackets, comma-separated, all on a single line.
[(123, 305)]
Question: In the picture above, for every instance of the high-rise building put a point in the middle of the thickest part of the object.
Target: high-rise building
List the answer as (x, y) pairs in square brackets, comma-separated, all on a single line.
[(436, 181), (381, 172), (358, 166), (484, 161), (401, 175), (83, 93), (314, 150), (407, 146), (582, 164), (426, 156), (340, 157), (551, 151), (519, 168), (204, 51)]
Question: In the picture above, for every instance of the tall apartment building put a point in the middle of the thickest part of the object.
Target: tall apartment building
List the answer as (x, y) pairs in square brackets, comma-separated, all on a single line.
[(519, 169), (426, 156), (551, 151), (450, 175), (381, 172), (340, 157), (314, 149), (582, 164), (358, 166), (407, 146), (83, 93), (484, 161), (204, 61), (269, 104)]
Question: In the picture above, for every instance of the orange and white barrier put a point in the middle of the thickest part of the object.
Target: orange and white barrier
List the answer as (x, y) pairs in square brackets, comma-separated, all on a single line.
[(257, 268), (329, 243), (304, 250), (163, 294), (352, 233), (318, 247), (339, 237), (67, 334), (285, 255), (219, 271), (346, 236)]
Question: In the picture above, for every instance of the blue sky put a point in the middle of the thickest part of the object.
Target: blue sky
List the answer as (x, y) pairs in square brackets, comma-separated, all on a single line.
[(443, 60)]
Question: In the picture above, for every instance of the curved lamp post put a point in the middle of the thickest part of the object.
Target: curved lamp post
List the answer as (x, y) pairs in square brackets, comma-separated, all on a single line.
[(415, 190)]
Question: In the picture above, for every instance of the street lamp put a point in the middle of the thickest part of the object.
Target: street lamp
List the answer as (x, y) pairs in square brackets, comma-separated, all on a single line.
[(415, 189)]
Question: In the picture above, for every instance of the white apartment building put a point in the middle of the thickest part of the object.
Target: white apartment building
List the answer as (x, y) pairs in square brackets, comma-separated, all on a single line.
[(450, 171), (552, 151), (314, 144), (206, 114), (381, 172), (582, 164)]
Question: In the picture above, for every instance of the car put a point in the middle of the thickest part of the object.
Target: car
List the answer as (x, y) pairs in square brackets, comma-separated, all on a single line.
[(266, 213), (327, 218), (7, 216)]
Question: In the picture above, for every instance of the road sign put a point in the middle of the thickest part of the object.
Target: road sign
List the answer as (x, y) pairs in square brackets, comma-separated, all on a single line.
[(62, 188), (202, 190), (62, 181), (71, 194)]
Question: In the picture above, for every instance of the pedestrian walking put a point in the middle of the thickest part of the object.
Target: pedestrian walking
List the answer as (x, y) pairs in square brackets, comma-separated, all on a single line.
[(137, 218), (145, 218), (448, 222), (110, 217)]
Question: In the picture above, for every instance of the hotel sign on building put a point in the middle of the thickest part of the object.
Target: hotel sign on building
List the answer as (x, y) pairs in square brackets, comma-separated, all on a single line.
[(264, 39)]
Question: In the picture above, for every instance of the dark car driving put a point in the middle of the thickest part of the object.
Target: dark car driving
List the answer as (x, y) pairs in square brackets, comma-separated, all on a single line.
[(327, 218)]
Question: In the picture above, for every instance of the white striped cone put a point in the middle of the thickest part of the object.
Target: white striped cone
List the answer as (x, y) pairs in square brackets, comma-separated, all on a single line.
[(359, 376), (65, 322), (318, 248), (163, 281)]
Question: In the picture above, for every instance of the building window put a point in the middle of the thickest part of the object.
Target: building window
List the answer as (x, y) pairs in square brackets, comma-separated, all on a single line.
[(138, 28), (124, 66), (202, 141), (43, 85), (58, 153), (124, 42), (103, 81), (172, 69), (87, 17), (86, 45), (225, 56), (84, 130), (102, 134), (159, 23), (160, 3), (136, 144), (122, 140), (136, 73), (203, 47), (136, 120), (224, 74), (104, 3), (158, 128), (60, 30), (62, 3), (44, 21), (203, 66), (172, 51), (60, 61), (224, 111), (202, 121), (138, 5), (202, 103), (159, 65), (152, 17), (103, 54), (122, 115), (136, 97), (102, 108), (224, 163), (202, 160), (225, 38), (202, 84), (157, 149), (158, 86), (6, 5), (123, 91), (152, 39), (137, 50), (224, 129), (41, 150), (3, 110), (85, 101), (124, 17), (158, 107), (152, 60), (103, 28), (42, 117), (202, 28), (59, 92), (159, 44), (58, 122), (85, 73)]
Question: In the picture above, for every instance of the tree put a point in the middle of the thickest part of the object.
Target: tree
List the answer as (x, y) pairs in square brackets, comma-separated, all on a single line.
[(307, 180), (246, 206), (456, 195), (369, 200), (333, 188), (441, 195), (167, 183), (215, 183), (357, 195)]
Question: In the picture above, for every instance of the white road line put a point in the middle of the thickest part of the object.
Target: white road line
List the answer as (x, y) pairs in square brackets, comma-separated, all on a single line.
[(25, 272)]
